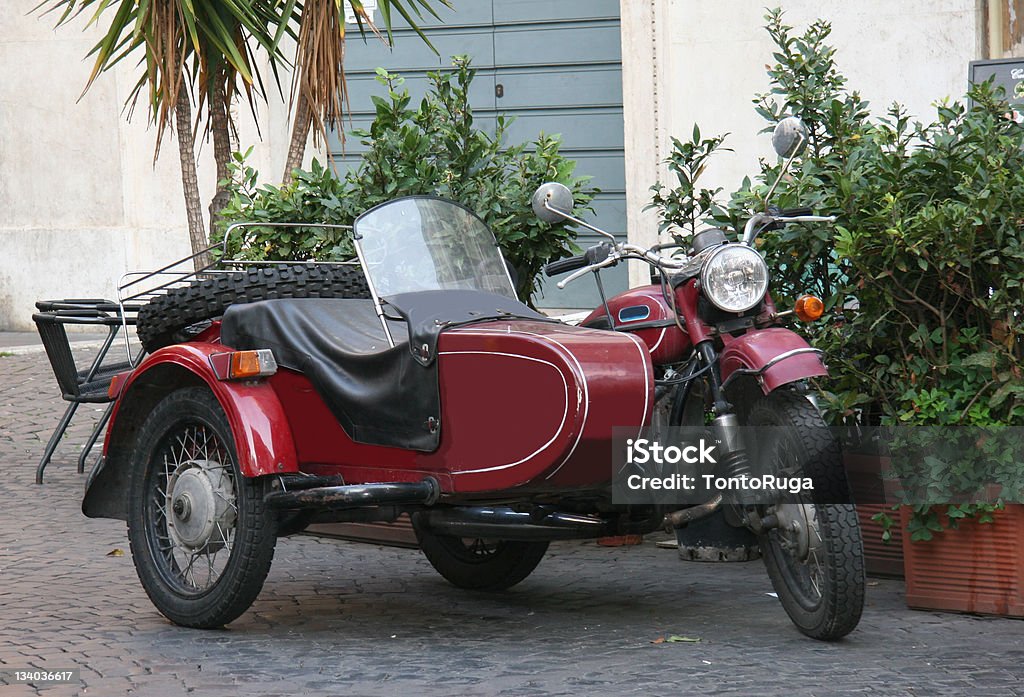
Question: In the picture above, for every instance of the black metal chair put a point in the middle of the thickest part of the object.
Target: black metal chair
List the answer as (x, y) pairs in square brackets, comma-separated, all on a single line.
[(80, 386)]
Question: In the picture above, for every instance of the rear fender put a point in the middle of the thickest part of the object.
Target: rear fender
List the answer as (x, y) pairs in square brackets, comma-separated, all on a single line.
[(259, 427), (773, 357)]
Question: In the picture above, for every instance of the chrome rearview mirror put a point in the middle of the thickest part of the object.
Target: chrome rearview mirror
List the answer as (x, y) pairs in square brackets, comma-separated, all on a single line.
[(789, 140), (789, 137), (552, 202)]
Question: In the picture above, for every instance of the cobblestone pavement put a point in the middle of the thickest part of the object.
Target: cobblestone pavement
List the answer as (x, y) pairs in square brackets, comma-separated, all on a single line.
[(338, 618)]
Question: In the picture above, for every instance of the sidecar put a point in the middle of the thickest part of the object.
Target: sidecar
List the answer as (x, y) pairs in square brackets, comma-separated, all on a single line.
[(435, 393)]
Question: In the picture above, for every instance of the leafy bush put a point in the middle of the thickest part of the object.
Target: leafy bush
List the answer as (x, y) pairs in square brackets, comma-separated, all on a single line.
[(314, 196), (683, 208), (433, 149), (922, 276)]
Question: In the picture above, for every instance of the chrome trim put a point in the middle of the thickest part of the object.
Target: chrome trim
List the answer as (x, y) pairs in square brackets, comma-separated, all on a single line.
[(377, 307), (773, 362), (789, 354)]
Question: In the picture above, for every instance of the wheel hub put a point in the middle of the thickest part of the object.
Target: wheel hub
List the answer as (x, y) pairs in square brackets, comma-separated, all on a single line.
[(200, 504), (798, 529)]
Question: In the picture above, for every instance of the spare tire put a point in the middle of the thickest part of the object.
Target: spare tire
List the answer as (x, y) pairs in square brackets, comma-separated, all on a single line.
[(164, 319)]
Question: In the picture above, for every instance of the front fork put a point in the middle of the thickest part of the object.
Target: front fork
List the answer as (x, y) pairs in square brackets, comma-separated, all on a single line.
[(725, 427)]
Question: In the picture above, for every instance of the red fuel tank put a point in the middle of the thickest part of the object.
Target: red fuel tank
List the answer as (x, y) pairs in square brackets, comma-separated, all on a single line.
[(644, 312)]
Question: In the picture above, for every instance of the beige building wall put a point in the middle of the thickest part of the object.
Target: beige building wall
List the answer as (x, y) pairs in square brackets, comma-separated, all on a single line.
[(81, 200), (697, 61)]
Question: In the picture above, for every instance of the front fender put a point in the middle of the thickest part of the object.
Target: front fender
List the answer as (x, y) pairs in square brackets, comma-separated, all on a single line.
[(258, 423), (774, 357)]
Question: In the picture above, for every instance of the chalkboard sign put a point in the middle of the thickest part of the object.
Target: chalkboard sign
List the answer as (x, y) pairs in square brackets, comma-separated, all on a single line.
[(1008, 74)]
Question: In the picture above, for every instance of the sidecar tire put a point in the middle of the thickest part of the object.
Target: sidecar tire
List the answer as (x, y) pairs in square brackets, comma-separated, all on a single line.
[(838, 608), (250, 526), (503, 566), (162, 321)]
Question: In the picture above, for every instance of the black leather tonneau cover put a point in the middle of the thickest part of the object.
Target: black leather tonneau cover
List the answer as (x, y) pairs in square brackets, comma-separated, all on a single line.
[(380, 395)]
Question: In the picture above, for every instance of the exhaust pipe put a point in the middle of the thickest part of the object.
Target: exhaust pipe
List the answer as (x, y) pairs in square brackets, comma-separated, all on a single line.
[(504, 523), (680, 519), (423, 493)]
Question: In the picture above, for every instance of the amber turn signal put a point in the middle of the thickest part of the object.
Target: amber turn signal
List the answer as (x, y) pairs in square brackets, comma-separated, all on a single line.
[(809, 308), (252, 364)]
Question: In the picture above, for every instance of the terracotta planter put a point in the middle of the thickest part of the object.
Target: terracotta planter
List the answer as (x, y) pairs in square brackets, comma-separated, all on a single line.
[(869, 493), (977, 568)]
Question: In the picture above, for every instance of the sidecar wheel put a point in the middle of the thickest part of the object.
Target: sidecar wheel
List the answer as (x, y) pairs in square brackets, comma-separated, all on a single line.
[(482, 565), (201, 539), (815, 558)]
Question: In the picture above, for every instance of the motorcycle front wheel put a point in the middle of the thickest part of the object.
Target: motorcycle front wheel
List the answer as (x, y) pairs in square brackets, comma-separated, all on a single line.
[(815, 555)]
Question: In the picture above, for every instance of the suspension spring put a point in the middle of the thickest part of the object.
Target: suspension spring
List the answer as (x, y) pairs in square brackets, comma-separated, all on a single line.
[(736, 464)]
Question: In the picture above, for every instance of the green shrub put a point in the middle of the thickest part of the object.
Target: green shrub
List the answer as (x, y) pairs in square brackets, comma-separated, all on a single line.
[(922, 275), (314, 196), (682, 208), (433, 149)]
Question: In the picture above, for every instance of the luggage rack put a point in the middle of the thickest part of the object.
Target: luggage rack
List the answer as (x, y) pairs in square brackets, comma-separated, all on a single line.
[(89, 383), (137, 288), (80, 382)]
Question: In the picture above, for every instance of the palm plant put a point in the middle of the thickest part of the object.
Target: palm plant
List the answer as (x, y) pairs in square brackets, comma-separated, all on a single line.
[(207, 46), (319, 97), (181, 41)]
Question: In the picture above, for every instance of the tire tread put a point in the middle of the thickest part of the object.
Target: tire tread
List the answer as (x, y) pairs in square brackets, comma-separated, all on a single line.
[(161, 321), (844, 595)]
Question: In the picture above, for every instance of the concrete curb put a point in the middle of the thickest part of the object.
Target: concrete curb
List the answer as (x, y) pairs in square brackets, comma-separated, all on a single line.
[(38, 348)]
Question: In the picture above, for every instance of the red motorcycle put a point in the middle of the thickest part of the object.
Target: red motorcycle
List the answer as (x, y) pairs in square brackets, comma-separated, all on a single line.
[(276, 397), (722, 361)]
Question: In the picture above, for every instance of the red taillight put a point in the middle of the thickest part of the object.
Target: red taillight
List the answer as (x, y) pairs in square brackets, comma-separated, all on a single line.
[(244, 365), (116, 383)]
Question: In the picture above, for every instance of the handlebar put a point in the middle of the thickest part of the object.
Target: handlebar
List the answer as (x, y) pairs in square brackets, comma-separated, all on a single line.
[(561, 266), (624, 250), (606, 254), (593, 255), (612, 259)]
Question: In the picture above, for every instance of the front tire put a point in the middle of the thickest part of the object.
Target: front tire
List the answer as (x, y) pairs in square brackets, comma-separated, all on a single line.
[(482, 565), (815, 557), (201, 539)]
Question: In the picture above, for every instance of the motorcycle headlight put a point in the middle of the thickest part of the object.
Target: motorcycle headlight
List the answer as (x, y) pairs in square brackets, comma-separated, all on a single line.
[(734, 278)]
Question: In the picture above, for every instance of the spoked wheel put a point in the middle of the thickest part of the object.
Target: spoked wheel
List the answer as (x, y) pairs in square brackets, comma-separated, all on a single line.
[(814, 555), (477, 564), (201, 539)]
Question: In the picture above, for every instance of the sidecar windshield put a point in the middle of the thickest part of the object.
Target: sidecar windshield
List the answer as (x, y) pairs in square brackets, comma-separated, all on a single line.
[(422, 243)]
